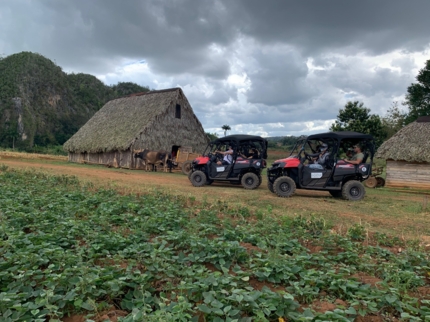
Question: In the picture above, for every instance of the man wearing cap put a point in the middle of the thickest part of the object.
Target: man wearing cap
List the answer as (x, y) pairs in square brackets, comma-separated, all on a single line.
[(349, 153), (358, 157)]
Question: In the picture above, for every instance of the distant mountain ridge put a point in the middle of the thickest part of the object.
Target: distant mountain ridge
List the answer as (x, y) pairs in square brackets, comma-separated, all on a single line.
[(42, 105)]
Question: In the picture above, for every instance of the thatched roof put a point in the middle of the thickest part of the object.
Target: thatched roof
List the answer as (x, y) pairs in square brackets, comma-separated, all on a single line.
[(117, 124), (410, 144)]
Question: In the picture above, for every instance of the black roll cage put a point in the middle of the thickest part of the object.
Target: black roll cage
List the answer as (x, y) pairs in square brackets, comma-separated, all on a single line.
[(240, 140), (339, 138)]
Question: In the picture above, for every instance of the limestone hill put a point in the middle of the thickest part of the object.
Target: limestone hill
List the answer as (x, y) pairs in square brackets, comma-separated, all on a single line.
[(42, 105)]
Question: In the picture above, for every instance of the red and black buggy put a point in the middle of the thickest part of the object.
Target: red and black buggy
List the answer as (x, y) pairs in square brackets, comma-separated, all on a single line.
[(247, 162), (339, 178)]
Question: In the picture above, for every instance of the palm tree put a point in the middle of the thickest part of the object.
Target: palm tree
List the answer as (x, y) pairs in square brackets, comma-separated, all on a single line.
[(226, 128)]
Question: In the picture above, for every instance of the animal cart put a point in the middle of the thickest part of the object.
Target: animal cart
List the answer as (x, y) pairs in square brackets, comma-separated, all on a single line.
[(183, 159), (375, 180)]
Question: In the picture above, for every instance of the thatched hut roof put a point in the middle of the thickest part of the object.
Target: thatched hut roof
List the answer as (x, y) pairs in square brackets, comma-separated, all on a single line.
[(118, 124), (410, 144)]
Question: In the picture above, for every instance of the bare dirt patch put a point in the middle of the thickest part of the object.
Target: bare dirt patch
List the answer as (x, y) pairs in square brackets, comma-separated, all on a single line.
[(366, 279), (258, 285), (251, 248), (74, 318), (369, 318), (108, 315), (322, 306)]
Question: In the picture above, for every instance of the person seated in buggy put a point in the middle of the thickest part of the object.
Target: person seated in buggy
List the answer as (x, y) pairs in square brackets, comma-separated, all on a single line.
[(349, 153), (228, 156), (358, 155), (252, 154), (320, 158)]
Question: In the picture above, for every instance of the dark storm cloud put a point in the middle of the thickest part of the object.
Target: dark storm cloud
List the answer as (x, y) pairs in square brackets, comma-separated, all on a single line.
[(175, 36), (279, 78), (373, 26), (198, 44)]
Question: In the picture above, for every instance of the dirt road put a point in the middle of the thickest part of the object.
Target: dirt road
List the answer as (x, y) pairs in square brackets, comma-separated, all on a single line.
[(392, 212)]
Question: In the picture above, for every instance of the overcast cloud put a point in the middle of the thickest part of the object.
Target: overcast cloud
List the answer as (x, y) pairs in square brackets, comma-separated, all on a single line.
[(272, 68)]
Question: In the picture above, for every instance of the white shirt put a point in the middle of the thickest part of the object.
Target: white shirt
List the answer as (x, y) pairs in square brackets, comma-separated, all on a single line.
[(228, 157)]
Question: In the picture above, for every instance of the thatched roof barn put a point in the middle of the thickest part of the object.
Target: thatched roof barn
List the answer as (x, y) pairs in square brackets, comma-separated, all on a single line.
[(408, 156), (156, 120)]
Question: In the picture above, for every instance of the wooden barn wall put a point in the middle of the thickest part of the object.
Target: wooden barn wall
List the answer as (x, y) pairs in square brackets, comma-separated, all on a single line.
[(75, 157), (408, 175), (116, 159), (167, 131)]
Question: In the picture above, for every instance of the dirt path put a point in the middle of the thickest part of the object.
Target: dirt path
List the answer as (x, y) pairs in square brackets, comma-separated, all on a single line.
[(135, 180), (392, 212)]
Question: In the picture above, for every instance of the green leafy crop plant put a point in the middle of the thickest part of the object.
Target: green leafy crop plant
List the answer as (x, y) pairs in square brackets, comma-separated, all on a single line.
[(69, 248)]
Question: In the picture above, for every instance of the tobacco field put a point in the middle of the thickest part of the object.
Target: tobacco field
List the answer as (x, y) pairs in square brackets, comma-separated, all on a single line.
[(71, 249)]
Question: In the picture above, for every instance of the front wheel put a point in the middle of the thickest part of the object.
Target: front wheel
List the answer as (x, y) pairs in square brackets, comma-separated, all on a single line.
[(198, 178), (284, 187), (250, 180), (353, 190)]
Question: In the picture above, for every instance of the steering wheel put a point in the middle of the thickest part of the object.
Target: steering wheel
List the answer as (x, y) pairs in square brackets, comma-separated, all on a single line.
[(307, 156)]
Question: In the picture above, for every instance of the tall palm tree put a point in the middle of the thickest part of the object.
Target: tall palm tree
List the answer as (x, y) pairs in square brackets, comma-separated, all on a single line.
[(226, 128)]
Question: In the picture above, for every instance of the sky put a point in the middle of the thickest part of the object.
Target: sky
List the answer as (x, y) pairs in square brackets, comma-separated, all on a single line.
[(269, 68)]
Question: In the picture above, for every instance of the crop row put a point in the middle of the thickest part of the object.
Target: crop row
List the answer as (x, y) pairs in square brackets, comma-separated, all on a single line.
[(67, 248)]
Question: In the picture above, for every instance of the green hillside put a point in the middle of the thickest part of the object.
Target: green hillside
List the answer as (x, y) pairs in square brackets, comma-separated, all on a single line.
[(42, 105)]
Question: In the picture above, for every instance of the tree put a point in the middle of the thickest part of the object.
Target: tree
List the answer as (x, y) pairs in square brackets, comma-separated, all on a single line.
[(10, 134), (356, 117), (212, 136), (418, 97), (226, 128), (394, 120)]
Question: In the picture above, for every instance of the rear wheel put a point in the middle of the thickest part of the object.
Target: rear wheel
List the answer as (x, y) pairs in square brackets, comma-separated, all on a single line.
[(198, 178), (250, 180), (353, 190), (284, 187), (336, 193), (186, 167)]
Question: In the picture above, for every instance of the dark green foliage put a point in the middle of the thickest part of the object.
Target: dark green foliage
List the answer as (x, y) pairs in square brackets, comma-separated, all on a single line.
[(212, 136), (40, 105), (127, 88), (418, 97), (286, 142), (357, 118), (394, 120)]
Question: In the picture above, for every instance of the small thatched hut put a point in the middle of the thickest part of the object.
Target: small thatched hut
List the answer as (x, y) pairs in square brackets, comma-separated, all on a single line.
[(408, 156), (156, 120)]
